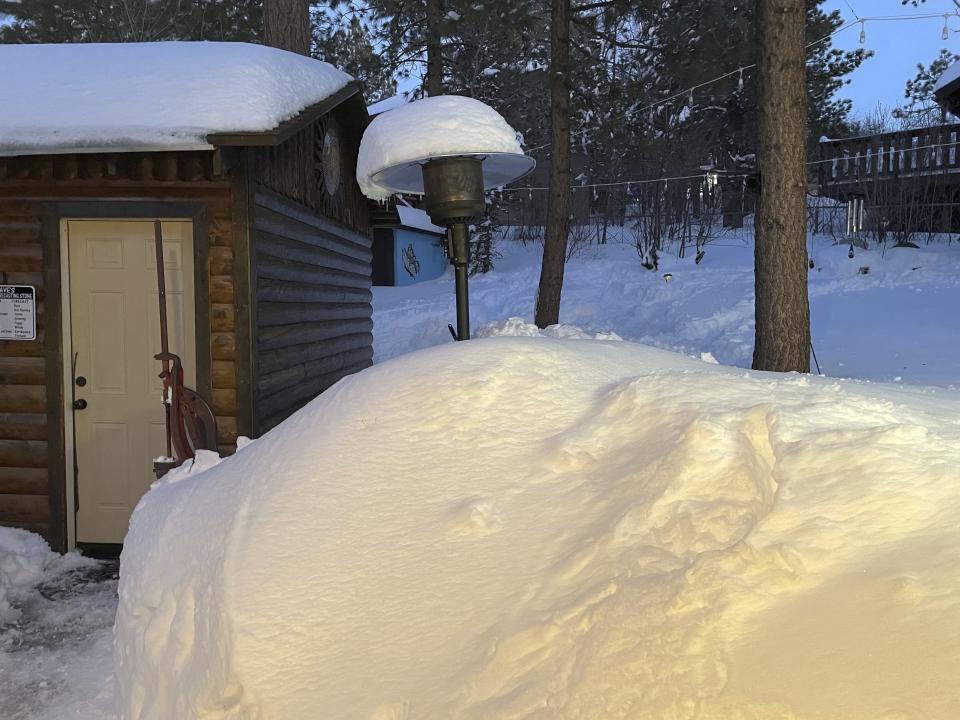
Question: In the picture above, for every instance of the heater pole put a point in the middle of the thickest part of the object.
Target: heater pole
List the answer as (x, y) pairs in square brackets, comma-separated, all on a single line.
[(460, 257)]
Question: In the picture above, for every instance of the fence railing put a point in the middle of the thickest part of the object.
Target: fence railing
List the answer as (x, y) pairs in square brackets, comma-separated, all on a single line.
[(908, 153)]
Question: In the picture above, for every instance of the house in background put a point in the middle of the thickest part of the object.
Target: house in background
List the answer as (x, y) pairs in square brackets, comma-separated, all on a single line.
[(909, 179), (247, 155)]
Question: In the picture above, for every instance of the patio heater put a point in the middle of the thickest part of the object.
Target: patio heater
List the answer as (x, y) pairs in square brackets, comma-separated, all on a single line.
[(453, 188)]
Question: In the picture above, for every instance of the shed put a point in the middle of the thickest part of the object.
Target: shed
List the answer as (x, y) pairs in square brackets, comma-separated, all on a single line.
[(247, 154), (407, 247)]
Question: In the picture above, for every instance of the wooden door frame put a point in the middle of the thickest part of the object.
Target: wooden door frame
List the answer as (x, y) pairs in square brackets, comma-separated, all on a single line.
[(57, 343)]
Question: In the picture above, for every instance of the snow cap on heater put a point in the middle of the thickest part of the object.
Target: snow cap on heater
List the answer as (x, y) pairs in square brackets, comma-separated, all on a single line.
[(399, 142)]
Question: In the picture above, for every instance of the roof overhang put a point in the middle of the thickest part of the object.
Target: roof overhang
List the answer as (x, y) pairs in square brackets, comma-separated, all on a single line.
[(288, 128), (101, 150)]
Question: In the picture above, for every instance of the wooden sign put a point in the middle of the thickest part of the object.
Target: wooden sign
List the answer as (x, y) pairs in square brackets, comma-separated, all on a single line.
[(18, 312)]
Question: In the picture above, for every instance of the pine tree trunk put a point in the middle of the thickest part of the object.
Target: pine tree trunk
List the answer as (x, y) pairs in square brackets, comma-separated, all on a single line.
[(434, 48), (558, 200), (286, 25), (782, 308)]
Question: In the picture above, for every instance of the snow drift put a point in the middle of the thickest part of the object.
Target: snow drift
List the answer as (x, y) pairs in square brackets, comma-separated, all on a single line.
[(23, 558), (548, 528)]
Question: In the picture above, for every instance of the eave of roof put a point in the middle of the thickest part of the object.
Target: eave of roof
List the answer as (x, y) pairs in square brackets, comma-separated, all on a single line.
[(288, 128)]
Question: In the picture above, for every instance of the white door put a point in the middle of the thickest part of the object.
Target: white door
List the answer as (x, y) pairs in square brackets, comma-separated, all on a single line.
[(114, 334)]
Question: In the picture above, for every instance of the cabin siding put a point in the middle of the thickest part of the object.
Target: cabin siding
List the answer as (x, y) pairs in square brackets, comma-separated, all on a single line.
[(313, 322), (310, 268), (24, 492), (32, 467)]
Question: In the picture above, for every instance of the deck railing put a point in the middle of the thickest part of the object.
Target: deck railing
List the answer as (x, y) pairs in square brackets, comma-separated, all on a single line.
[(910, 153)]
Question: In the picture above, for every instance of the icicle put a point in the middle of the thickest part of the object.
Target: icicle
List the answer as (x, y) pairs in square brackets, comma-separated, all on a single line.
[(863, 31), (946, 27), (740, 81)]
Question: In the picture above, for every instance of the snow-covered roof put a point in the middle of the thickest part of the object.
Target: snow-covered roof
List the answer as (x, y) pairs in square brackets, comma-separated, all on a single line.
[(390, 103), (417, 219), (150, 96), (949, 75), (437, 127)]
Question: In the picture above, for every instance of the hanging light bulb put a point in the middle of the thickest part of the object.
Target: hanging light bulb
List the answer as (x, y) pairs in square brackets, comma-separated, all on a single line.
[(946, 27), (863, 31)]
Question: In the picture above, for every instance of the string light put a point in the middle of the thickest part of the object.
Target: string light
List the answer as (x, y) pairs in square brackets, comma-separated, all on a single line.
[(740, 70)]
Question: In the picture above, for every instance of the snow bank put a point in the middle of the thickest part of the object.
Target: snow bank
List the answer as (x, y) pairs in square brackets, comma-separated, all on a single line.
[(518, 327), (23, 558), (542, 528), (158, 95), (432, 127), (55, 618), (26, 560)]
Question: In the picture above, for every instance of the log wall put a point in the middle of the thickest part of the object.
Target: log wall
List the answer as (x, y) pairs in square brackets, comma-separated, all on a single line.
[(311, 259), (312, 318), (32, 472)]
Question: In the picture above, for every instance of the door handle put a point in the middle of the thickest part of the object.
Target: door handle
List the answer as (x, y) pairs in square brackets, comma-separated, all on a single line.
[(79, 404)]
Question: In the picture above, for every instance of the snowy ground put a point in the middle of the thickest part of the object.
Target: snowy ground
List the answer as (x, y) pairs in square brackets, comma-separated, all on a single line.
[(56, 634), (895, 323)]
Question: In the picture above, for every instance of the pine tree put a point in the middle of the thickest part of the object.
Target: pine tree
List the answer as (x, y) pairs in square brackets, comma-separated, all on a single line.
[(342, 36), (558, 202), (286, 25), (782, 309), (921, 109), (63, 21)]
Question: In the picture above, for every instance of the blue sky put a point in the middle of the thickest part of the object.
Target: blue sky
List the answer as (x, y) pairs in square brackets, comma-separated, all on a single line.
[(898, 47)]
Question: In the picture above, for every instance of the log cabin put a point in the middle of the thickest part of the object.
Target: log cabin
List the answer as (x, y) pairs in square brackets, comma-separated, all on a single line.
[(247, 156)]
